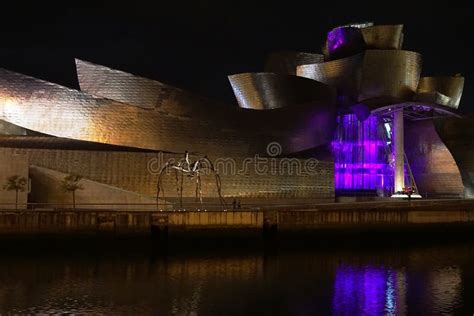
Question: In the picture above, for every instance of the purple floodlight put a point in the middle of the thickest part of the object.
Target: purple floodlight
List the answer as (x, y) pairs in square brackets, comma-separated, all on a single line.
[(361, 154)]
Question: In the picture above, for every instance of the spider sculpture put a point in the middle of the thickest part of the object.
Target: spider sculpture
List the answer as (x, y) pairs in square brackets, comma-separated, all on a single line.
[(192, 170)]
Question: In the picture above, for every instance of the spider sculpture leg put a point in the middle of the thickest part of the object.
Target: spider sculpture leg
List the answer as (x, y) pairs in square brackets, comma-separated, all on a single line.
[(159, 184), (219, 190), (178, 190), (197, 191), (181, 190), (208, 165), (200, 188)]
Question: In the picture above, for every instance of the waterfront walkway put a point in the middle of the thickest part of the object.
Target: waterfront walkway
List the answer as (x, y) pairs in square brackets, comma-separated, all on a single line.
[(360, 215)]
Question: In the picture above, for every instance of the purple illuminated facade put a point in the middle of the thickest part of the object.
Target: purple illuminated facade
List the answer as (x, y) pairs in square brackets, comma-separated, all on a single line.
[(344, 41), (361, 155), (336, 39)]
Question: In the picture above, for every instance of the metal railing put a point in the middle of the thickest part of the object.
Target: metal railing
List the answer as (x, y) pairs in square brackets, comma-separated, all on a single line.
[(217, 207)]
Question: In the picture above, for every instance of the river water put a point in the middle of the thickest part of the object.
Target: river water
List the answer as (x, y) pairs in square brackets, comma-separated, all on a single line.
[(429, 279)]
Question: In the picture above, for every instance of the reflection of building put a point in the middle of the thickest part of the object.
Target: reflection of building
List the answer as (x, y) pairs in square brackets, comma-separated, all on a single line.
[(377, 290), (369, 290), (361, 99)]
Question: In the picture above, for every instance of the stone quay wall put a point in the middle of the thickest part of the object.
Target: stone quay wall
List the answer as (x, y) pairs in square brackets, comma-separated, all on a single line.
[(320, 217)]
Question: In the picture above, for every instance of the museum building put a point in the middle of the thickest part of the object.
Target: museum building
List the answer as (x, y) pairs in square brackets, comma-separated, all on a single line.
[(357, 122)]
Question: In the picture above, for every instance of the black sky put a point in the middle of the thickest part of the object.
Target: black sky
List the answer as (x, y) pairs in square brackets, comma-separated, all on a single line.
[(196, 44)]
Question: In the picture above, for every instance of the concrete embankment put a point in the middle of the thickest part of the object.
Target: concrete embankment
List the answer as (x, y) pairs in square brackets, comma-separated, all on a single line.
[(334, 217)]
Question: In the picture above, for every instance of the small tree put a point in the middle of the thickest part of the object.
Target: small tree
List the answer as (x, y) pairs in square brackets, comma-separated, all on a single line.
[(71, 184), (17, 184)]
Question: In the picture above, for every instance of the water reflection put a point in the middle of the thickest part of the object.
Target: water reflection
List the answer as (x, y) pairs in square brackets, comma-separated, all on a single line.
[(304, 282), (445, 289), (376, 290), (369, 290)]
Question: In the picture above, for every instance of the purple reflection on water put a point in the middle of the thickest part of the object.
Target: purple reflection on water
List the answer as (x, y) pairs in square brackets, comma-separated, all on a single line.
[(360, 152), (367, 291)]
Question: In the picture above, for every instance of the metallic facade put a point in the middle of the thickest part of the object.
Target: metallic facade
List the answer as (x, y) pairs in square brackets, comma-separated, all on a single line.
[(442, 90), (142, 92), (305, 103), (262, 91), (389, 76), (138, 172), (119, 86), (114, 84), (377, 77), (344, 41), (344, 74), (58, 111), (349, 40), (434, 168), (458, 135), (286, 62), (383, 36)]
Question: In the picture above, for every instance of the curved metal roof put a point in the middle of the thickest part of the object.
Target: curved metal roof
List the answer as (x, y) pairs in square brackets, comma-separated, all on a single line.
[(262, 91)]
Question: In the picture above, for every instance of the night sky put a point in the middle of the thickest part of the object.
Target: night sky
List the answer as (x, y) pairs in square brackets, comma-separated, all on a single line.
[(196, 44)]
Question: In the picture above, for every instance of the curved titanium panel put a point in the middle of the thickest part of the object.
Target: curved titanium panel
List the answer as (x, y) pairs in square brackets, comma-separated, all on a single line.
[(458, 135), (344, 41), (55, 110), (286, 62), (451, 87), (434, 168), (343, 74), (389, 76), (261, 91), (117, 85), (383, 36), (142, 92)]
